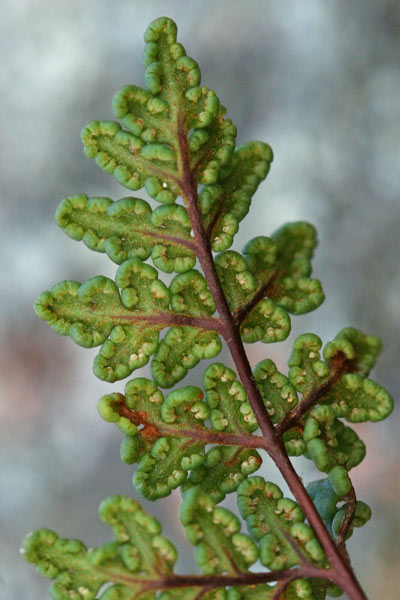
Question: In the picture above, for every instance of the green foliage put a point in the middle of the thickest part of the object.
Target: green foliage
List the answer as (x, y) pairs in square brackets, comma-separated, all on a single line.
[(127, 323), (283, 263), (128, 228), (165, 455), (278, 393), (224, 204), (167, 437), (271, 280), (179, 146), (278, 524), (180, 350), (327, 493), (225, 467), (341, 389), (139, 554), (148, 153), (215, 533), (229, 408)]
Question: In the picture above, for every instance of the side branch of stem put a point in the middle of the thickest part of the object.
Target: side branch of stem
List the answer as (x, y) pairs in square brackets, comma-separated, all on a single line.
[(201, 434), (292, 418), (169, 319), (242, 312), (209, 582)]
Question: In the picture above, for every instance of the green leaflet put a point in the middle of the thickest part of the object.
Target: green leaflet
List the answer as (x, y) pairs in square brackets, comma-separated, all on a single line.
[(272, 519), (331, 443), (349, 358), (82, 311), (128, 228), (278, 393), (295, 244), (127, 349), (281, 266), (269, 281), (215, 533), (164, 453), (225, 466), (174, 104), (127, 323), (280, 397), (266, 323), (180, 350), (212, 148), (353, 396), (222, 471), (224, 204), (351, 352), (357, 399), (139, 554), (94, 311), (307, 371), (227, 399), (190, 295), (235, 277), (326, 498), (341, 392), (167, 436)]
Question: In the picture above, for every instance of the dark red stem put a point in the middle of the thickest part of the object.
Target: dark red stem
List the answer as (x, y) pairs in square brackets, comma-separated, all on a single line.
[(209, 582), (348, 517), (342, 573)]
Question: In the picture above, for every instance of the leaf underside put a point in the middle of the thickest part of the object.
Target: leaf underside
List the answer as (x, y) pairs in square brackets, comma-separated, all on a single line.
[(174, 133)]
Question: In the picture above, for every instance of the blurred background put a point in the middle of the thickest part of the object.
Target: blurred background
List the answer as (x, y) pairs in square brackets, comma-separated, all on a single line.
[(320, 81)]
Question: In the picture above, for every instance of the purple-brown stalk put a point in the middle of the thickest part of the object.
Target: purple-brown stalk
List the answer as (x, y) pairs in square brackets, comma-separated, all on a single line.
[(340, 572)]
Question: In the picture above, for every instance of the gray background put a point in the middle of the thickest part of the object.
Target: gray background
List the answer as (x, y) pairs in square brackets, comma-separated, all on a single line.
[(320, 82)]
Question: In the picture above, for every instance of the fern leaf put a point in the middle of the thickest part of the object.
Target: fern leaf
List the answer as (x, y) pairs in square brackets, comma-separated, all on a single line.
[(181, 350), (278, 393), (139, 555), (222, 471), (269, 281), (348, 360), (326, 496), (330, 443), (164, 453), (190, 295), (281, 266), (224, 204), (158, 118), (127, 323), (128, 228), (227, 400), (278, 524), (341, 390), (167, 437), (215, 533)]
